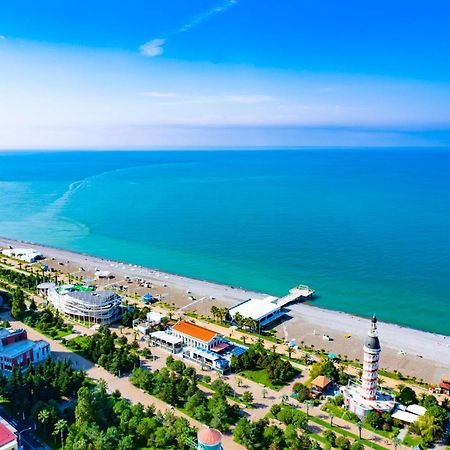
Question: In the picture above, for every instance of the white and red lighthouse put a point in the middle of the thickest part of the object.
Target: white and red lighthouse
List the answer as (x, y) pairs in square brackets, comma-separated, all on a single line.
[(371, 364), (361, 398)]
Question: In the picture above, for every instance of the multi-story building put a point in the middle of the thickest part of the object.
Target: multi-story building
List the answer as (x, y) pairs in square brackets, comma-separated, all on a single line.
[(17, 351), (84, 303)]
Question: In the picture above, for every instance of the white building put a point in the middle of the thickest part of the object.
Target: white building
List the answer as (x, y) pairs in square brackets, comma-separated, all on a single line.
[(365, 397), (195, 335), (263, 311), (84, 304), (28, 255)]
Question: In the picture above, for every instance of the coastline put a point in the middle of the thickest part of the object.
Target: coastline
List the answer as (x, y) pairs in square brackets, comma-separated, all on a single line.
[(427, 354)]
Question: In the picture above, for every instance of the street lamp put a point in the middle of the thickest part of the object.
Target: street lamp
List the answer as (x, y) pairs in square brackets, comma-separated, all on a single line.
[(19, 434)]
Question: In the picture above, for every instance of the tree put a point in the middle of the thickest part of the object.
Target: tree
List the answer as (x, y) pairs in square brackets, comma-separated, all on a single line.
[(330, 437), (359, 424), (60, 426), (18, 306), (374, 420), (247, 397), (33, 306), (84, 411), (357, 446), (428, 428), (406, 396), (396, 441), (302, 392), (44, 419), (342, 443)]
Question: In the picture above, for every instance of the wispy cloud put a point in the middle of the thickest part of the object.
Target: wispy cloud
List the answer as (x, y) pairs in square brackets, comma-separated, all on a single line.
[(155, 46), (174, 99), (156, 94), (2, 37)]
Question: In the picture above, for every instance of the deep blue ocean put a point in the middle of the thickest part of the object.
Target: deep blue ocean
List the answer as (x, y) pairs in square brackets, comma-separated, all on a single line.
[(368, 229)]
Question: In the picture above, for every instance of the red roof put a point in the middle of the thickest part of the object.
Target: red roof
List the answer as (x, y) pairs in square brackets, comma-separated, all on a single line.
[(444, 384), (6, 436), (195, 331), (209, 436)]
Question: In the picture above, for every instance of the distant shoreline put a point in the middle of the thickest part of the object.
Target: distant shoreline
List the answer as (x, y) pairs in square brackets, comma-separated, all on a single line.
[(308, 322)]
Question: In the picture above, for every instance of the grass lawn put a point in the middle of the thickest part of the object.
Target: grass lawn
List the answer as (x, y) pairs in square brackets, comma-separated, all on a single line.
[(260, 376), (344, 414), (411, 440), (339, 430)]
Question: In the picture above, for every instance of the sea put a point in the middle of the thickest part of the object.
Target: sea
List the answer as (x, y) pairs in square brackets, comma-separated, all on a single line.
[(368, 229)]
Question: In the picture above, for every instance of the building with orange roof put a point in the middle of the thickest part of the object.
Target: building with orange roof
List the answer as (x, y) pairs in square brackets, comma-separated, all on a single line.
[(195, 335), (320, 383)]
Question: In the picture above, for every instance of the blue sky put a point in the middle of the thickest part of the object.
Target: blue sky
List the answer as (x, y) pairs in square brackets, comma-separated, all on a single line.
[(175, 73)]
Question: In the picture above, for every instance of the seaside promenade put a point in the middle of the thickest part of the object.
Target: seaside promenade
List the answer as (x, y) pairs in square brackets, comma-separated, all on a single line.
[(414, 352)]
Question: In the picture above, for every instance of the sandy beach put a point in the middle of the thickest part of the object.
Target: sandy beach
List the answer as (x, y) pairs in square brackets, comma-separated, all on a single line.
[(413, 352)]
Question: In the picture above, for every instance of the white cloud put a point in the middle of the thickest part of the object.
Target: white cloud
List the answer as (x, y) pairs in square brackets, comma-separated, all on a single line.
[(153, 47), (249, 99), (156, 94), (197, 20), (167, 97)]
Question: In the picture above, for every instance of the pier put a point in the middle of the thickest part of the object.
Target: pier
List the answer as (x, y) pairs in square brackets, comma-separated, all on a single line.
[(298, 293)]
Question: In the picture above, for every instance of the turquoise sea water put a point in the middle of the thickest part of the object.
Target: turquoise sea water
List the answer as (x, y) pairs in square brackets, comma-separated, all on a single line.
[(368, 229)]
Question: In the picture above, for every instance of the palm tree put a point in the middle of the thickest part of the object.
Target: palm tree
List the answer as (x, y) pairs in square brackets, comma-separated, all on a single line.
[(44, 417), (396, 441), (214, 311), (60, 426), (359, 424), (290, 350)]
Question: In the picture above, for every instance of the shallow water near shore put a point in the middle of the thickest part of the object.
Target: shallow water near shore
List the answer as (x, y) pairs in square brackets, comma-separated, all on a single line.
[(368, 229)]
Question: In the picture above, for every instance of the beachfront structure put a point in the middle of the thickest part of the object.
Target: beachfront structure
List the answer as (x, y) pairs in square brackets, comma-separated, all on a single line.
[(361, 398), (17, 351), (209, 439), (262, 311), (83, 303), (195, 335), (28, 255)]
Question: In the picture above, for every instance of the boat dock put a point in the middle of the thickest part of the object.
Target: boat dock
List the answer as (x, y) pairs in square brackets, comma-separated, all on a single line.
[(298, 293)]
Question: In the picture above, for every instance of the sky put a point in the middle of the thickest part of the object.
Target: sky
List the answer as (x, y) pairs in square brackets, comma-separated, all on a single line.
[(223, 73)]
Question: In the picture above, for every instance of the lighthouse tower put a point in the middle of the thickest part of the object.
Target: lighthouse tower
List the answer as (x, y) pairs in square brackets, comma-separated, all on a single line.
[(364, 397), (372, 350)]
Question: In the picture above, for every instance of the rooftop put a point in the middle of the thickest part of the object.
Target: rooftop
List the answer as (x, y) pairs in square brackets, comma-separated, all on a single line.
[(6, 436), (166, 337), (256, 309), (17, 348), (195, 331), (6, 332), (321, 381), (209, 436)]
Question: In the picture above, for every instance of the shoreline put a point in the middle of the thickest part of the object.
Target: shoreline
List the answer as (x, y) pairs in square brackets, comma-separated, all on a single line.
[(427, 353)]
